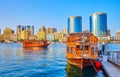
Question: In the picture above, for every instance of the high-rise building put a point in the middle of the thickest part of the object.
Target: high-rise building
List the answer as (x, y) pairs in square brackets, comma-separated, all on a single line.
[(19, 28), (23, 35), (74, 24), (27, 27), (30, 28), (8, 34), (41, 34), (98, 24), (22, 30), (51, 30)]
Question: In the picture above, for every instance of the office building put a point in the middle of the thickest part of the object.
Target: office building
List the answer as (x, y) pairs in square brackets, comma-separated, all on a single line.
[(1, 37), (42, 29), (26, 27), (41, 34), (59, 36), (74, 24), (19, 28), (51, 30), (65, 31), (14, 37), (24, 34), (50, 37), (8, 34), (98, 24), (30, 28), (23, 30)]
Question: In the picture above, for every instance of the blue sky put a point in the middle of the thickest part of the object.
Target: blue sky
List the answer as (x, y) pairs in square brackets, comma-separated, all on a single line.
[(54, 13)]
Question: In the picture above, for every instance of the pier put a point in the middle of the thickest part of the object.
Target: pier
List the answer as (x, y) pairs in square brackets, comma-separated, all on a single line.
[(111, 68)]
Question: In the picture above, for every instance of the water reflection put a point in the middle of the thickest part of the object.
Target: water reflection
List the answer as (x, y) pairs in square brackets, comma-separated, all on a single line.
[(16, 61), (33, 49), (73, 71)]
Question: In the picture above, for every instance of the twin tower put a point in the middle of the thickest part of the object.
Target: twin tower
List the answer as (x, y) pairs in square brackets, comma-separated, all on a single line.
[(98, 24)]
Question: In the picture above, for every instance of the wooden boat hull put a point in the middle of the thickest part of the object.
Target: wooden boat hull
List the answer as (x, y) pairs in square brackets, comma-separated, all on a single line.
[(82, 50), (81, 62), (35, 45)]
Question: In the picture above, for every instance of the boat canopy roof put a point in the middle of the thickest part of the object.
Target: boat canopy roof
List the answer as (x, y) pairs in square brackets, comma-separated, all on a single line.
[(82, 37)]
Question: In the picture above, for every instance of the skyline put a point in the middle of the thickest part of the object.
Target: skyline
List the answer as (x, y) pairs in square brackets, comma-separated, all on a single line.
[(55, 13)]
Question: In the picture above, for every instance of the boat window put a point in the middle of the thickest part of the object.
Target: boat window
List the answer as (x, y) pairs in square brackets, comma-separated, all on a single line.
[(86, 48), (81, 47), (92, 51), (72, 50), (68, 50), (78, 48), (95, 49)]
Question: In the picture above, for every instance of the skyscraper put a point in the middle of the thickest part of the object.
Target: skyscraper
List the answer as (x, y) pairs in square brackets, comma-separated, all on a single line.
[(27, 30), (19, 28), (98, 24), (74, 24), (27, 27), (30, 28)]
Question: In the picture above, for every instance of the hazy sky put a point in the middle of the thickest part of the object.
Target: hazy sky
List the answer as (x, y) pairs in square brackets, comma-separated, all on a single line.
[(55, 13)]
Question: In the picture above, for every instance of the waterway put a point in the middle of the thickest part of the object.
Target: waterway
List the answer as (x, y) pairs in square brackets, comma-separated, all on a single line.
[(16, 61)]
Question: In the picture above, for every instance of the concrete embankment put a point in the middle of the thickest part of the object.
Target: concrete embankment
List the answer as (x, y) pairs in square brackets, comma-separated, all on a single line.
[(111, 69)]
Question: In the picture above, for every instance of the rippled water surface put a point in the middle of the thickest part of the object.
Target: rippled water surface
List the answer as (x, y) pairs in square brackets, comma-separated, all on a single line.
[(16, 61)]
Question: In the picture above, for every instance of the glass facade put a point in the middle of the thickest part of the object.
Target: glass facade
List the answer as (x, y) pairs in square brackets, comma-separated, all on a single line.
[(74, 24), (98, 24)]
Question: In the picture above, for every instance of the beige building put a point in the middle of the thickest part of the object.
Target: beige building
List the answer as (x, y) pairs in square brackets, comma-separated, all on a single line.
[(14, 37), (42, 29), (23, 35), (7, 34), (59, 36), (104, 39), (118, 35), (1, 37), (65, 31)]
